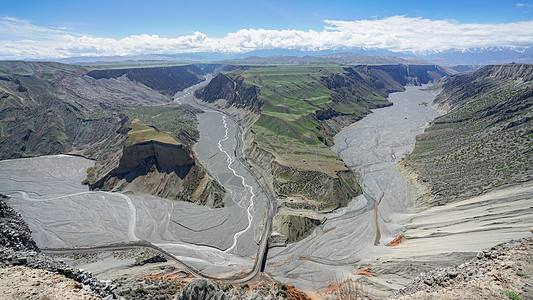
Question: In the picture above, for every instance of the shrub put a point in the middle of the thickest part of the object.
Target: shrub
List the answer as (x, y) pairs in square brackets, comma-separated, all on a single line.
[(512, 295)]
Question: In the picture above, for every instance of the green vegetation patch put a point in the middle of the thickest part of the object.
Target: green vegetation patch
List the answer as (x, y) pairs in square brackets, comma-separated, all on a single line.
[(178, 122), (481, 145), (46, 70), (140, 132)]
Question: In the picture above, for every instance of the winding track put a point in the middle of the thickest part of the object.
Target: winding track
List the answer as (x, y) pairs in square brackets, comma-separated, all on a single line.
[(260, 258)]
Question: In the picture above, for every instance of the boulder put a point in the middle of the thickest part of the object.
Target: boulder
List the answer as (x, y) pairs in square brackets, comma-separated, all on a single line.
[(202, 289)]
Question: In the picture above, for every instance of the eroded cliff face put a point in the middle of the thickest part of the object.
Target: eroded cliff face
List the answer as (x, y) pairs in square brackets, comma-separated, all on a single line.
[(166, 80), (52, 108), (165, 170), (407, 74), (361, 88), (235, 90)]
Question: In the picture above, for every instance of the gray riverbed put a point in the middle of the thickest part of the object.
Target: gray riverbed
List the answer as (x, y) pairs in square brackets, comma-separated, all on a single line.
[(349, 238)]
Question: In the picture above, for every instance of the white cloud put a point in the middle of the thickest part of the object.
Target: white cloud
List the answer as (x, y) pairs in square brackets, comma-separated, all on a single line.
[(21, 39)]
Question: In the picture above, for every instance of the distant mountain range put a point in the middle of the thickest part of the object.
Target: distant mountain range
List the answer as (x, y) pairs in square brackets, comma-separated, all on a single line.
[(470, 56), (482, 56)]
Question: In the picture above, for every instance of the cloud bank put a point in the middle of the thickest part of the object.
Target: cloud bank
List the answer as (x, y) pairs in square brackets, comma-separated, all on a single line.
[(21, 39)]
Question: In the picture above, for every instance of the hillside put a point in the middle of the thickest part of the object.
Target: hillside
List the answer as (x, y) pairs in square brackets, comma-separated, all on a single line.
[(501, 272), (290, 114), (485, 140), (156, 163)]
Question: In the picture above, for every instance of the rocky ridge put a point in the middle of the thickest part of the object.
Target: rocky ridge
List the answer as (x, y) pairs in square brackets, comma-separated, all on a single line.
[(502, 271), (14, 232)]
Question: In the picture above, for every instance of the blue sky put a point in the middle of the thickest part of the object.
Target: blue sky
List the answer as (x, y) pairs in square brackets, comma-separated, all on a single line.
[(93, 23), (117, 19)]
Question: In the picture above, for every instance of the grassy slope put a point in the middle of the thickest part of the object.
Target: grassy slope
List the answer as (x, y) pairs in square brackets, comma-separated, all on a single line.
[(140, 132), (287, 126), (44, 70)]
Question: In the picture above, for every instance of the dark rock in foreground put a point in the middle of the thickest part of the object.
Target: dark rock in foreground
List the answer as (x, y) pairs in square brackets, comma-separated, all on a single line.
[(202, 289), (14, 232)]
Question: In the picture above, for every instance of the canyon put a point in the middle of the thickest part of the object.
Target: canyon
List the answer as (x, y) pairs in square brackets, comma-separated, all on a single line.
[(300, 173)]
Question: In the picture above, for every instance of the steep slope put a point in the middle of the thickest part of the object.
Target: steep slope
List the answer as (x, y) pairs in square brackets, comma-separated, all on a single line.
[(50, 108), (167, 80), (290, 115), (486, 138)]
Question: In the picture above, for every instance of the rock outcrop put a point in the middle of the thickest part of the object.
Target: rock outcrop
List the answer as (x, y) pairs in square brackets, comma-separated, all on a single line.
[(14, 232), (296, 227), (160, 169), (205, 289), (501, 272), (202, 289)]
